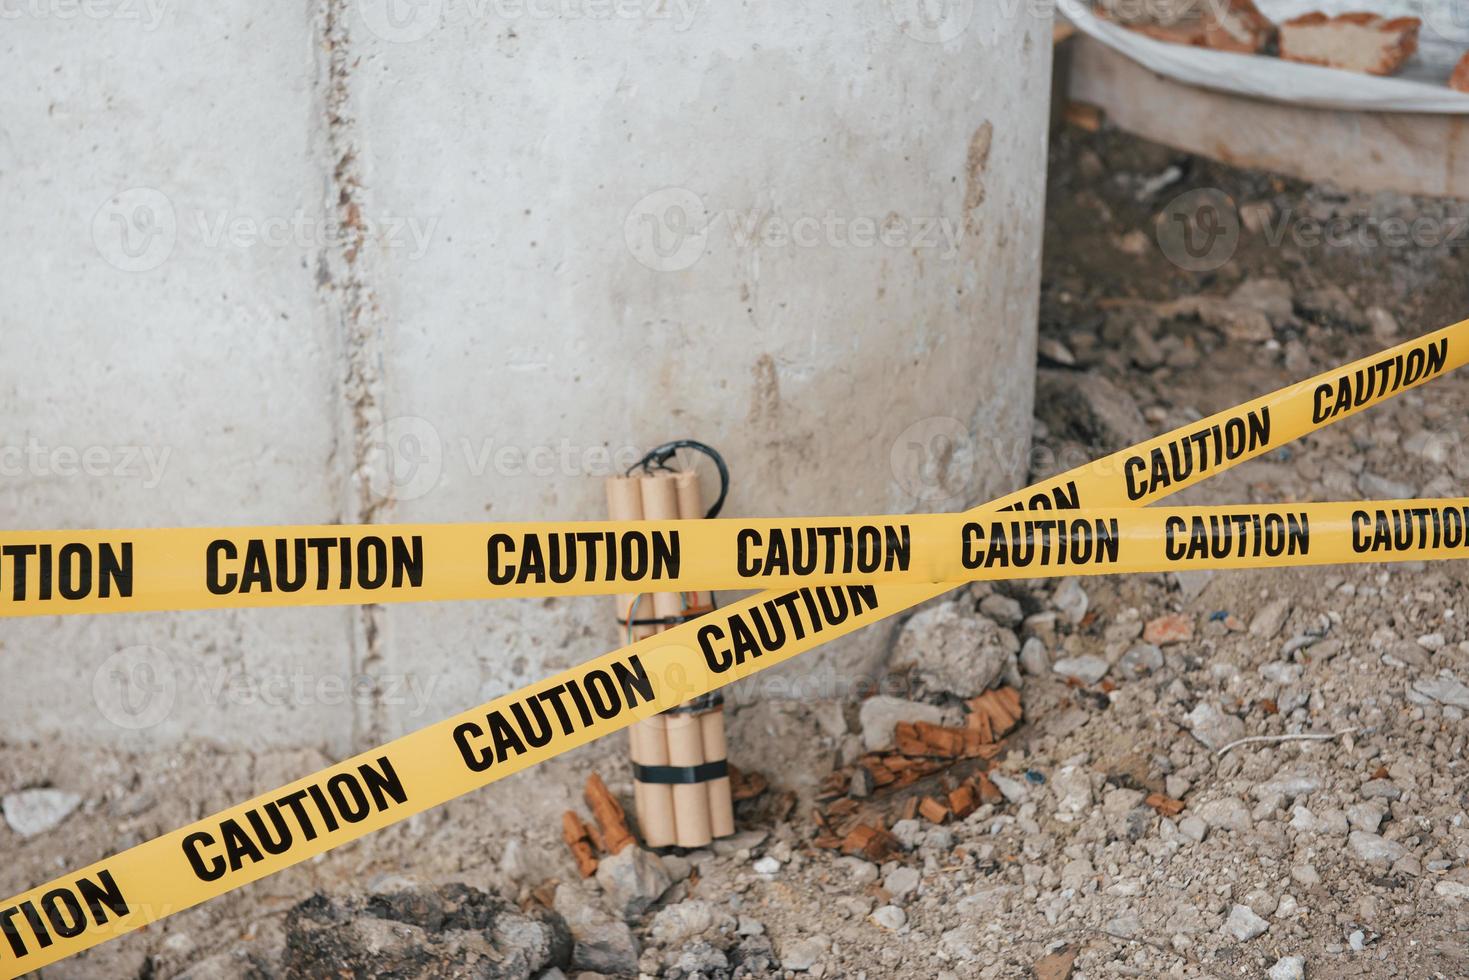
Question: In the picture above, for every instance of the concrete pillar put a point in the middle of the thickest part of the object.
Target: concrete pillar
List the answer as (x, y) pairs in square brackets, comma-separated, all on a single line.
[(541, 236)]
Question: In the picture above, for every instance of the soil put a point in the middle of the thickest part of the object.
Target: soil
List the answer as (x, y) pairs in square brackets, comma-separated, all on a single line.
[(1348, 851)]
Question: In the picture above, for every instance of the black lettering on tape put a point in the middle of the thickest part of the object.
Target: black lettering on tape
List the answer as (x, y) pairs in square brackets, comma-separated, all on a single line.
[(608, 693), (829, 550), (350, 796), (285, 564), (1197, 454), (562, 557), (72, 571), (66, 911)]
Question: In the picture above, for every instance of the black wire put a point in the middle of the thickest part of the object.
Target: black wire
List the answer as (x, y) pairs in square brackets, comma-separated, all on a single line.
[(659, 456)]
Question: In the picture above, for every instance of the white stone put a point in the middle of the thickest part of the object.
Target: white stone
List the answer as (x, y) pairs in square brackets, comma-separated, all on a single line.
[(890, 917), (1288, 968), (1087, 668), (1374, 849), (1071, 599), (34, 811), (1243, 924)]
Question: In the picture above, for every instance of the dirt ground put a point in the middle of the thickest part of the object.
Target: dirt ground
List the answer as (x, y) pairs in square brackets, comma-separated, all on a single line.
[(1348, 852)]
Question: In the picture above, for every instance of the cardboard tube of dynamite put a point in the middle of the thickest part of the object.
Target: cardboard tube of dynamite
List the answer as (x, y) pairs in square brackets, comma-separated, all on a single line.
[(711, 723), (647, 745), (685, 735)]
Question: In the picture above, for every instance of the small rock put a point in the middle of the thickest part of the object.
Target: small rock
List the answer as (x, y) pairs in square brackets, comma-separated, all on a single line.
[(1270, 296), (1243, 924), (954, 652), (1383, 324), (766, 866), (701, 958), (890, 917), (1227, 813), (1034, 659), (1073, 790), (901, 882), (1445, 689), (1140, 660), (1087, 668), (1454, 891), (1058, 353), (802, 954), (861, 784), (1381, 789), (678, 867), (35, 811), (745, 840), (1169, 628), (1288, 968), (1194, 828), (1212, 726), (1002, 609), (1305, 874), (1381, 488), (632, 880), (1014, 790), (1374, 849), (1366, 817), (1071, 599), (1270, 619), (683, 921)]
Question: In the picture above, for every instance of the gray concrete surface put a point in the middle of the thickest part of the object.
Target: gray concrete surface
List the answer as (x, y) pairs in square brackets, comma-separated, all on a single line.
[(428, 261)]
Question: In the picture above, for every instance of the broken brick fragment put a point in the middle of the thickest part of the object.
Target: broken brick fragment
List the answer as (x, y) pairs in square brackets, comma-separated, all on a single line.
[(574, 832), (611, 820)]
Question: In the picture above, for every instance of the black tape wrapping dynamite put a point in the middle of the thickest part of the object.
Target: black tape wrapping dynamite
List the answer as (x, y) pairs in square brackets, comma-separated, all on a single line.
[(435, 764)]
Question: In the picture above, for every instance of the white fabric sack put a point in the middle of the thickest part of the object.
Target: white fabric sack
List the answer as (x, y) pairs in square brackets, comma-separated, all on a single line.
[(1420, 88)]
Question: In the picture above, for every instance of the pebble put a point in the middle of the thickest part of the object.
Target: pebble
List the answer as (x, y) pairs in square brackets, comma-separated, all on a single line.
[(1271, 617), (1228, 813), (767, 865), (1381, 789), (1071, 599), (1212, 726), (632, 880), (1034, 658), (34, 811), (745, 840), (1243, 924), (1087, 668), (1194, 828), (1288, 968), (1012, 789), (802, 954), (1002, 609), (1366, 817), (890, 917), (1140, 660), (1454, 891), (1374, 849), (1445, 689), (901, 882)]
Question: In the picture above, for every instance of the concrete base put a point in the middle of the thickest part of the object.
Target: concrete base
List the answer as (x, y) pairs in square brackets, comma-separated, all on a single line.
[(458, 261)]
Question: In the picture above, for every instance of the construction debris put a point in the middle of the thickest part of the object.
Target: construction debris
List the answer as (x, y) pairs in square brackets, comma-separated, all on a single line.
[(574, 832), (1361, 42)]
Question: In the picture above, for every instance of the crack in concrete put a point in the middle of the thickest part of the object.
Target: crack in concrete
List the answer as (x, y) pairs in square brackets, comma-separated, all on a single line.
[(344, 283)]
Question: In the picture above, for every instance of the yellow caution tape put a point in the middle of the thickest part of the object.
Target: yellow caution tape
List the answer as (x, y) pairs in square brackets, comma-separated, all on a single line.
[(386, 563), (435, 764)]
